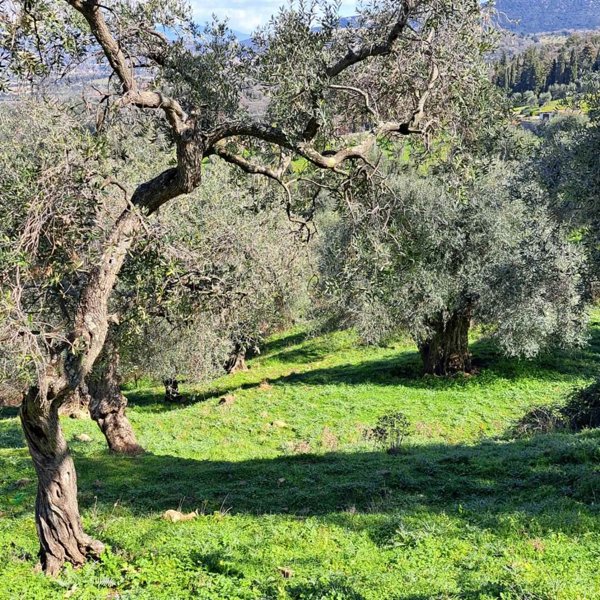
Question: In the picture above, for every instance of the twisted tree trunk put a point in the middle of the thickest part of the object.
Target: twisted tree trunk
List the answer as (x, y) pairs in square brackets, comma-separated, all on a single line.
[(237, 360), (107, 404), (57, 517), (446, 352), (58, 523)]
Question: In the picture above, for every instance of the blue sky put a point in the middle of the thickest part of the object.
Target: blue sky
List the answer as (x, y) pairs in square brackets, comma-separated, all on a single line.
[(245, 15)]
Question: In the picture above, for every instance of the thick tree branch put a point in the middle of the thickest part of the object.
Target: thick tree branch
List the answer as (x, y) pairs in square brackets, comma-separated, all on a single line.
[(354, 56), (274, 135), (91, 11)]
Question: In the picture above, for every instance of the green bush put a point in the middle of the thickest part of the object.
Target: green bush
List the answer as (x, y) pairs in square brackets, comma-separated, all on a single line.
[(390, 432), (582, 410)]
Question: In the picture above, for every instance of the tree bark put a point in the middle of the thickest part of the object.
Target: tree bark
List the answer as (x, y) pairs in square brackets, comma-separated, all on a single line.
[(172, 390), (446, 352), (236, 361), (107, 403), (76, 405), (58, 523)]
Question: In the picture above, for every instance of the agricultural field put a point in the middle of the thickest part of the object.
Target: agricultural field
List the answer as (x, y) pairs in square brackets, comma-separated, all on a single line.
[(294, 501)]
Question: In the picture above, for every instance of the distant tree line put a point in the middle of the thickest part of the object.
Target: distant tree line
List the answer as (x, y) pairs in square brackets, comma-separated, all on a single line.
[(546, 68)]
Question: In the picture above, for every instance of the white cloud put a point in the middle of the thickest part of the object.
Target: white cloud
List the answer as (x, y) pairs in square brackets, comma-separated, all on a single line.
[(246, 15)]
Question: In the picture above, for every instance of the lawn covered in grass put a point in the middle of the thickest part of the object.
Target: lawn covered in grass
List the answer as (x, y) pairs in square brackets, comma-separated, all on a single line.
[(295, 503)]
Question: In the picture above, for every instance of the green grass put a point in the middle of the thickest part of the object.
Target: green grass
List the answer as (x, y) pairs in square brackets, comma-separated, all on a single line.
[(287, 485), (554, 106)]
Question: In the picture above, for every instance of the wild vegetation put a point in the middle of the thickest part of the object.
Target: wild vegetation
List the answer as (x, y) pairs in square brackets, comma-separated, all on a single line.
[(329, 310)]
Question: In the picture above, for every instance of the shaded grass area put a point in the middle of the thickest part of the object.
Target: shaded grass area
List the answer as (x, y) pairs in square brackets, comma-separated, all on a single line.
[(294, 503), (293, 360)]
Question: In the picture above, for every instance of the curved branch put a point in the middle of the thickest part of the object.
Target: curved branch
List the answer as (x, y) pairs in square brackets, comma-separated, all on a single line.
[(365, 95), (246, 165), (91, 11), (274, 135), (353, 56)]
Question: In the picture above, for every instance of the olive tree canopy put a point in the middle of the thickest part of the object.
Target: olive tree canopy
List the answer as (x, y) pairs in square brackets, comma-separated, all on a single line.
[(218, 272), (406, 67), (423, 258)]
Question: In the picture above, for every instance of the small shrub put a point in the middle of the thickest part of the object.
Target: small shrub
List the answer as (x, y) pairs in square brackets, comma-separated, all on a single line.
[(582, 411), (538, 420), (390, 432), (583, 408)]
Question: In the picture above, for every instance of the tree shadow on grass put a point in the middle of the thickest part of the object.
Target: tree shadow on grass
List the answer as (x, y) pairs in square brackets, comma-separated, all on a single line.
[(307, 350), (333, 587), (151, 400), (11, 434), (553, 478), (405, 369), (282, 344), (8, 412), (530, 488)]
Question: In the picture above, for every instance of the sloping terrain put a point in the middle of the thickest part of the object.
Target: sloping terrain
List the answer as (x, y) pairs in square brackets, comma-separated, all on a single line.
[(535, 16), (294, 503)]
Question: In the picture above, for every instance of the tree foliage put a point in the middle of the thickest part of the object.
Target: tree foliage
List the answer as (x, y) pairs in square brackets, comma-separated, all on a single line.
[(567, 165), (552, 68), (219, 271), (413, 254)]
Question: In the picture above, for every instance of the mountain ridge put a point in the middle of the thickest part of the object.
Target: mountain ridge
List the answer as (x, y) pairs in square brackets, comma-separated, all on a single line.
[(540, 16)]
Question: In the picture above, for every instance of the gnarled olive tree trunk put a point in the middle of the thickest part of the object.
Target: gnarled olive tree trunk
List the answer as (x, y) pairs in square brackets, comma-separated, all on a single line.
[(237, 360), (107, 404), (58, 523), (447, 351), (61, 535)]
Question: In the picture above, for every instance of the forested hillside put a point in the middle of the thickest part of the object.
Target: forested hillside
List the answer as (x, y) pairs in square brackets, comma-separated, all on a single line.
[(548, 66), (549, 15)]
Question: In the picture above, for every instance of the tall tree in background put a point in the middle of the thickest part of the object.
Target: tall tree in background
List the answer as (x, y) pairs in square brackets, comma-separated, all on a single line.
[(567, 164)]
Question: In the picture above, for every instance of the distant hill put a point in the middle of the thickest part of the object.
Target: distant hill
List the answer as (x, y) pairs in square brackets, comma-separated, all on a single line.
[(536, 16), (239, 35)]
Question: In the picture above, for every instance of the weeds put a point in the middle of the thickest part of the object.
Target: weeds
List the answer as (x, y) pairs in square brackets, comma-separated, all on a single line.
[(390, 432)]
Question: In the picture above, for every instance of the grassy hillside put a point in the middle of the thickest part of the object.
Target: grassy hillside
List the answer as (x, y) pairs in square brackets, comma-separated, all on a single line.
[(294, 503)]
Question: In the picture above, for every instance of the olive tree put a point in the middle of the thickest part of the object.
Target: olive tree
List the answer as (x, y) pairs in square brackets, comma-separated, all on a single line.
[(218, 272), (405, 68), (567, 166), (431, 260), (56, 180)]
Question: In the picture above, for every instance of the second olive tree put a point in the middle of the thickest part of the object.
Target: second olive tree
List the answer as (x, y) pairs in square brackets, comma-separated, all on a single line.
[(431, 261)]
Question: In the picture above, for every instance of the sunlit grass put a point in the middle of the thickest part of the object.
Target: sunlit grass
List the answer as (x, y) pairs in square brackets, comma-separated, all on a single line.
[(294, 503)]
